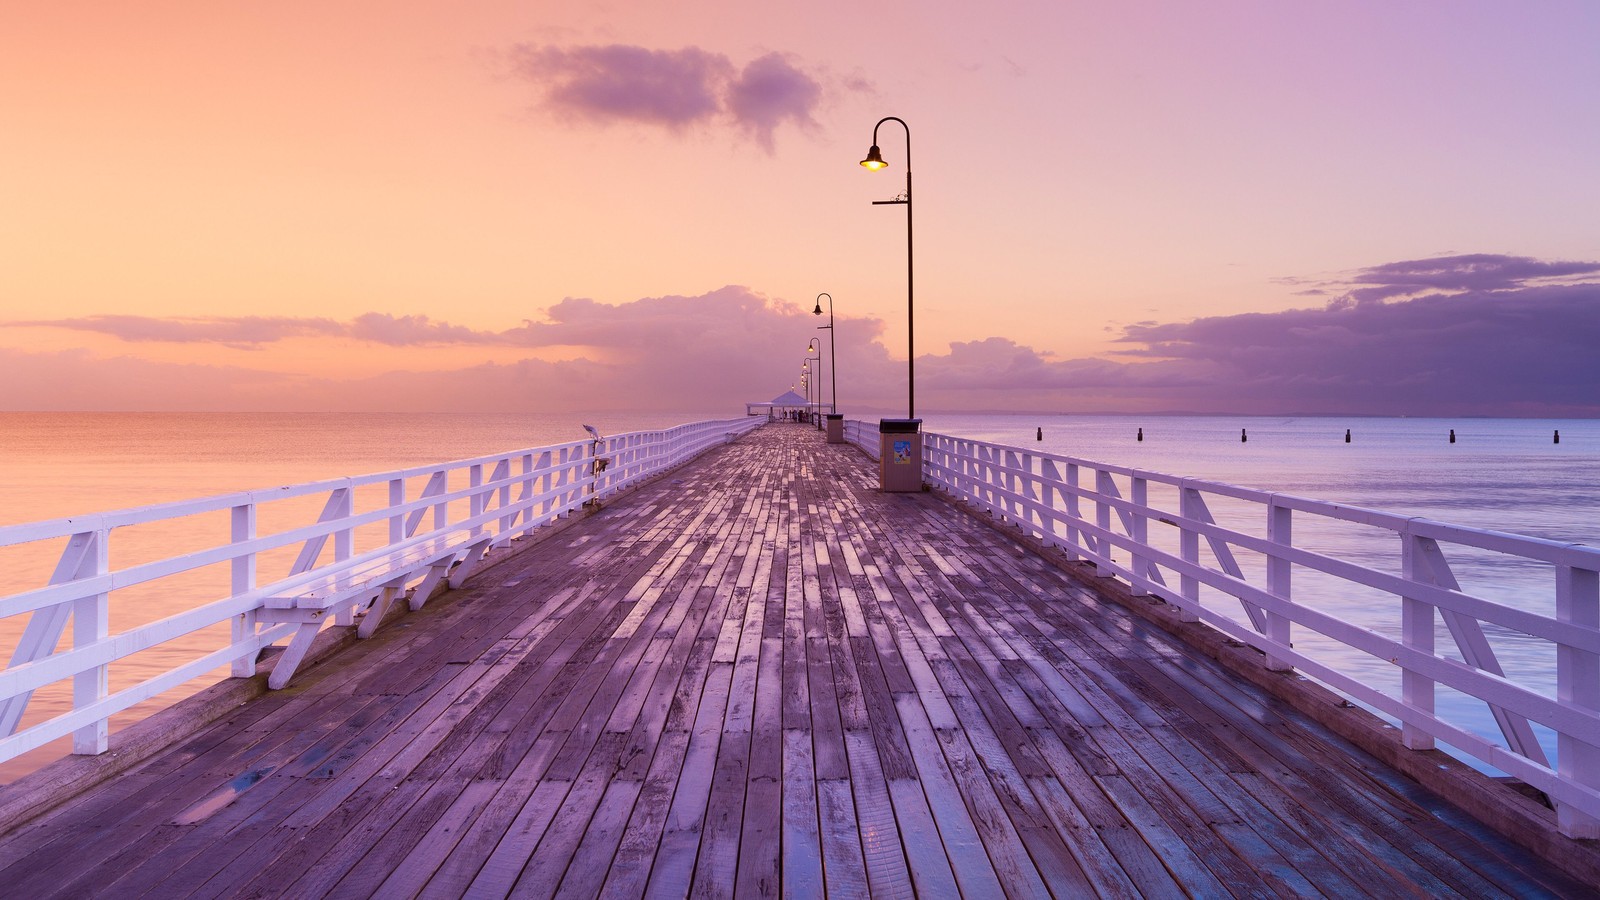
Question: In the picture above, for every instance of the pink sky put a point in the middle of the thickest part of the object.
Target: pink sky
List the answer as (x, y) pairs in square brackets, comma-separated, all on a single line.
[(1221, 207)]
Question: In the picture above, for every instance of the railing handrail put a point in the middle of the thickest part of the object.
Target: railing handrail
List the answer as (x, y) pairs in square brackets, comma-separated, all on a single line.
[(1048, 497), (549, 482), (138, 515)]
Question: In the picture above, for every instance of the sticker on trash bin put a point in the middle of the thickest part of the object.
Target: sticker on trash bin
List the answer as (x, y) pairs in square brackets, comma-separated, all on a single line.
[(902, 453)]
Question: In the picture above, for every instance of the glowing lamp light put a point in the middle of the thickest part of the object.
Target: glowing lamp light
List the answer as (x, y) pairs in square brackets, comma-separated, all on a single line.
[(874, 160)]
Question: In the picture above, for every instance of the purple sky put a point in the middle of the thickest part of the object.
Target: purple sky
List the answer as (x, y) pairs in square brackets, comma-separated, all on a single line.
[(1235, 206)]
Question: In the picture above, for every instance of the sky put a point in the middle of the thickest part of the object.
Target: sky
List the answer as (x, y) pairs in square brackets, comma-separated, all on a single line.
[(1237, 206)]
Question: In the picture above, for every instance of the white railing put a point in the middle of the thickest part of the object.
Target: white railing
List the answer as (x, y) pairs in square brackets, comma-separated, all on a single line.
[(226, 541), (863, 435), (1229, 556)]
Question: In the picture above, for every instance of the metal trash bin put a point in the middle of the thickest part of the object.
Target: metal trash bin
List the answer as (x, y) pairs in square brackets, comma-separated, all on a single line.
[(900, 455), (835, 428)]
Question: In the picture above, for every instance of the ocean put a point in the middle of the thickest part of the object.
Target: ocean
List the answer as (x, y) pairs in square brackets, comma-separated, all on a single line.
[(1500, 474)]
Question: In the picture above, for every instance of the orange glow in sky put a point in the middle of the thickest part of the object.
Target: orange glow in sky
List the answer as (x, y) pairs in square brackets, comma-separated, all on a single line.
[(302, 205)]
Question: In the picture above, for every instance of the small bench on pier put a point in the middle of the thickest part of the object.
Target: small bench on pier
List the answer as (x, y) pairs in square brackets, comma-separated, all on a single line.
[(369, 583)]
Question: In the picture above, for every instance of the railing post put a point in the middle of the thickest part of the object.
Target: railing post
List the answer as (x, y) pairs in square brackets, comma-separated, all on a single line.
[(1013, 504), (1578, 686), (1075, 535), (441, 509), (397, 499), (525, 496), (1032, 489), (1139, 530), (1417, 633), (1102, 517), (1050, 492), (1280, 530), (244, 580), (91, 622), (475, 498), (1189, 506), (344, 543), (501, 476), (560, 478)]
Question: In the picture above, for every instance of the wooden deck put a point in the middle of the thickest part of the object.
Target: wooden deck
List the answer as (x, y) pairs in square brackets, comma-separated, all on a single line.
[(758, 675)]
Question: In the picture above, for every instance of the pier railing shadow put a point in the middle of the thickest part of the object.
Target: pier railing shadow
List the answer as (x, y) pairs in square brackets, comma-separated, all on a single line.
[(1253, 565), (318, 538)]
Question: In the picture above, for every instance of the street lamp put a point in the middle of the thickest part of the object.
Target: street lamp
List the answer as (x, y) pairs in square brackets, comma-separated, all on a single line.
[(875, 161), (805, 381), (833, 348), (816, 344)]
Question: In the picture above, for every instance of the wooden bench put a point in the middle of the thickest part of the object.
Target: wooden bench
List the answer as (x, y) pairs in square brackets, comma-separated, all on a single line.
[(372, 581)]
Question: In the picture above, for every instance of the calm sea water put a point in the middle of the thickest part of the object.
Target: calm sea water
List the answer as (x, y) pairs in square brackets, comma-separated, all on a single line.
[(1501, 474)]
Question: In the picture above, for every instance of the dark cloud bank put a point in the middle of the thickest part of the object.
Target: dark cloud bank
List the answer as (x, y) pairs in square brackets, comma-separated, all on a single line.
[(1461, 335)]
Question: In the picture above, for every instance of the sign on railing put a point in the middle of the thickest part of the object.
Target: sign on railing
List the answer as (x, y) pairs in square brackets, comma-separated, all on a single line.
[(342, 548), (1252, 565)]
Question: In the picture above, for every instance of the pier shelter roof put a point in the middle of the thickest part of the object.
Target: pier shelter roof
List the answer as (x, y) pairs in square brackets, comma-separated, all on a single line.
[(786, 400)]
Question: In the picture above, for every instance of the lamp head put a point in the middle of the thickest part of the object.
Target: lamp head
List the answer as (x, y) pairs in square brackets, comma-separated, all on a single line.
[(874, 160), (818, 310)]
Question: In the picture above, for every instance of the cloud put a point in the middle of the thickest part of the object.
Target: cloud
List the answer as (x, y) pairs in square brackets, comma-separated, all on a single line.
[(1518, 341), (1465, 272), (711, 351), (1459, 335), (1487, 352), (253, 332), (769, 92), (79, 380), (413, 331), (237, 331), (673, 89)]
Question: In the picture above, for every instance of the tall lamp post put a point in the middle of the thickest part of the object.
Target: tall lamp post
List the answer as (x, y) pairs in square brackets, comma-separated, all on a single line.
[(900, 440), (816, 345), (833, 347), (874, 161)]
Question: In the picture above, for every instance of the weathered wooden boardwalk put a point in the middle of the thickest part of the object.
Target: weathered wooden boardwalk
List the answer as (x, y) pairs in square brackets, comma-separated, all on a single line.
[(758, 675)]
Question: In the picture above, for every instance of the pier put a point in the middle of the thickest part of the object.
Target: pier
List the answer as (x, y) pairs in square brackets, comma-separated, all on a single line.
[(757, 675)]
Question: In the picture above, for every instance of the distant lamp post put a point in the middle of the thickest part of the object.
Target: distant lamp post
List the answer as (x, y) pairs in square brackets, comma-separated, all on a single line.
[(833, 349), (815, 344), (875, 161), (805, 382)]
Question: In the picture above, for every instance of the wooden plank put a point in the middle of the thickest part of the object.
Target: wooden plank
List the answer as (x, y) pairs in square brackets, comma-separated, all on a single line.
[(969, 851), (716, 867), (801, 868), (673, 872), (882, 844), (762, 822), (844, 864), (627, 873), (544, 858), (926, 859)]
